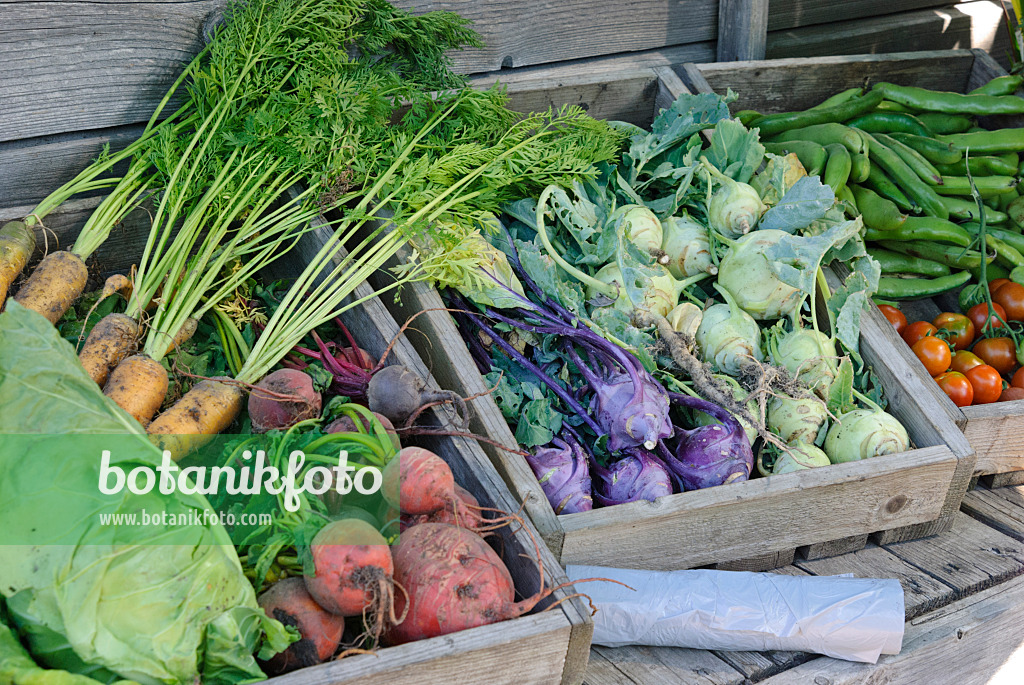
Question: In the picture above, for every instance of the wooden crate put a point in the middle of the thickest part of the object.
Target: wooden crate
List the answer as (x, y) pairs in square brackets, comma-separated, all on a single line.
[(756, 524), (553, 644), (995, 431)]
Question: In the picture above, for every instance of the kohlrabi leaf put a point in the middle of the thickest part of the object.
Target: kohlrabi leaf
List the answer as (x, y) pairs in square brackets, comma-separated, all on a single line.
[(558, 285), (795, 259), (840, 393), (848, 303), (807, 200), (538, 424), (615, 323), (734, 150), (779, 174), (688, 115), (507, 397)]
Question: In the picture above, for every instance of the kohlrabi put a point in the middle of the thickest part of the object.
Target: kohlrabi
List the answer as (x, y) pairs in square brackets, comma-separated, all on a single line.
[(795, 420), (735, 207), (712, 455), (638, 475), (659, 294), (642, 226), (728, 337), (564, 475), (685, 318), (702, 419), (799, 457), (686, 247), (807, 354), (746, 273), (865, 433)]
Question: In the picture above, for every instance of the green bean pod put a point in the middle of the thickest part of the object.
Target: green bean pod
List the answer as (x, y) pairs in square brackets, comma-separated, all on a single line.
[(987, 186), (1006, 254), (949, 102), (918, 288), (845, 195), (825, 134), (987, 142), (1000, 85), (878, 213), (745, 116), (950, 255), (931, 149), (777, 123), (859, 167), (810, 154), (913, 159), (908, 180), (839, 98), (980, 166), (1015, 240), (967, 210), (945, 123), (888, 106), (897, 263), (837, 169), (879, 182), (992, 271), (890, 122), (924, 228)]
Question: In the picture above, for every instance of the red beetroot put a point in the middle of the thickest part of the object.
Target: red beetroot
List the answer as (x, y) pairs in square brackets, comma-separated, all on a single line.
[(453, 580), (464, 511), (417, 481), (289, 602), (289, 397), (353, 568)]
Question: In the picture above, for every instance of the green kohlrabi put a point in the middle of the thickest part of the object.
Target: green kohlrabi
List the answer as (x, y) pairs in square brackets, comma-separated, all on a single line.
[(796, 420), (686, 247), (685, 318), (642, 227), (808, 354), (748, 275), (659, 294), (735, 207), (728, 337), (800, 456), (865, 433)]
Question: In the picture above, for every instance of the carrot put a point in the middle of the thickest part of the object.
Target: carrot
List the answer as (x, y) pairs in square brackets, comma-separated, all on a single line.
[(203, 412), (138, 385), (112, 339), (184, 334), (55, 284), (17, 243)]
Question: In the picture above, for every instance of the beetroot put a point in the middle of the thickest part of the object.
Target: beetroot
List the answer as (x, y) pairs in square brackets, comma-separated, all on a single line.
[(282, 399), (288, 601), (398, 393), (346, 424), (417, 481), (464, 511), (453, 580), (353, 568)]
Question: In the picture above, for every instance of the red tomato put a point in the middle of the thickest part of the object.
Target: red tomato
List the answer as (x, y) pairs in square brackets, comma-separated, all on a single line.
[(895, 317), (963, 360), (959, 329), (987, 384), (1011, 298), (934, 354), (999, 353), (1018, 378), (978, 312), (997, 283), (1010, 394), (957, 387), (917, 330)]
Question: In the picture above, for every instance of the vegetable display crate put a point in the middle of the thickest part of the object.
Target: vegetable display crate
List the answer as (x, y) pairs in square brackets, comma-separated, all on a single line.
[(553, 644), (995, 431), (753, 525)]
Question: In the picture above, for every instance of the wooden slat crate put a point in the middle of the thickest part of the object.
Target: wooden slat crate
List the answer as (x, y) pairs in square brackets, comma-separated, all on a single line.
[(995, 431), (553, 645), (756, 524)]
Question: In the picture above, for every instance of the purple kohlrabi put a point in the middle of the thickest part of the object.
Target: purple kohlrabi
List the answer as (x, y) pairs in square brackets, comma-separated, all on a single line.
[(709, 455), (564, 475), (631, 406), (637, 475)]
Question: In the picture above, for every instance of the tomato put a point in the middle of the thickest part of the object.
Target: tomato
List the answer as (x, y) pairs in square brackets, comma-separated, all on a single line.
[(987, 384), (999, 353), (1010, 394), (1011, 298), (963, 360), (917, 330), (978, 312), (959, 329), (997, 283), (957, 387), (895, 316), (1018, 378), (934, 354)]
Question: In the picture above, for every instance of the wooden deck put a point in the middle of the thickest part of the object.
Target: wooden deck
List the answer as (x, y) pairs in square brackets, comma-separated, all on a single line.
[(964, 594)]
